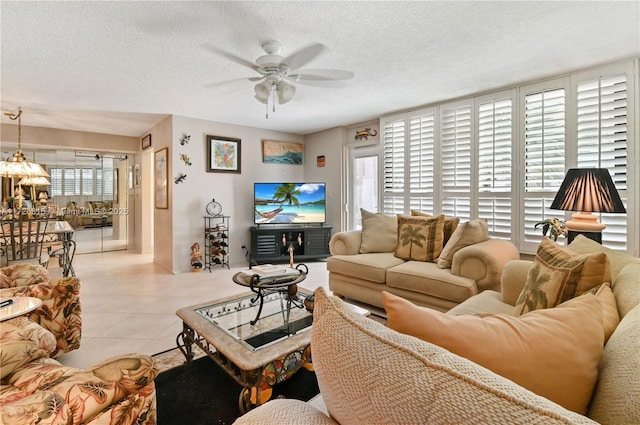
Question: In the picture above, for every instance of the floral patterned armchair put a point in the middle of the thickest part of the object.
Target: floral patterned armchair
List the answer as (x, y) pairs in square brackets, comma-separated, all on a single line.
[(35, 389), (60, 309)]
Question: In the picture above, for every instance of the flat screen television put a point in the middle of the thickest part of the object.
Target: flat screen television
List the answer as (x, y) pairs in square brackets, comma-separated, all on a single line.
[(289, 203)]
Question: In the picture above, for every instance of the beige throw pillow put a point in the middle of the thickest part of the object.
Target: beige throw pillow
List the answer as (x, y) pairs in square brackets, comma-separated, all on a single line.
[(378, 232), (469, 233), (554, 352), (558, 274), (450, 224), (419, 238)]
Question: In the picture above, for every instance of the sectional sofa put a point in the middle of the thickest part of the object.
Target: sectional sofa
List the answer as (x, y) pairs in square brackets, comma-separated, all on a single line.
[(374, 374)]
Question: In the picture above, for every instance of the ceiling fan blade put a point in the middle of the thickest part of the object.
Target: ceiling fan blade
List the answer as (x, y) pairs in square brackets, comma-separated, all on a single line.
[(303, 56), (235, 80), (322, 75), (231, 56)]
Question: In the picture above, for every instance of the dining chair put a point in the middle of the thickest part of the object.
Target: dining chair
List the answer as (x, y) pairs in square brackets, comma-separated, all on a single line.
[(22, 240)]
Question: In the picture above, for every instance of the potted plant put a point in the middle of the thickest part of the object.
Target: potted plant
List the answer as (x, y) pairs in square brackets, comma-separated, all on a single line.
[(553, 226)]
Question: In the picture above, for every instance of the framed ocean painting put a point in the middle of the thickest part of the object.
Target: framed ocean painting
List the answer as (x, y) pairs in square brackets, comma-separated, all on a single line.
[(274, 152)]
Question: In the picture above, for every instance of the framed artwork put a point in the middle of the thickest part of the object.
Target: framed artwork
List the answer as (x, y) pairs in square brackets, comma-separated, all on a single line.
[(136, 175), (162, 169), (274, 152), (146, 141), (223, 155)]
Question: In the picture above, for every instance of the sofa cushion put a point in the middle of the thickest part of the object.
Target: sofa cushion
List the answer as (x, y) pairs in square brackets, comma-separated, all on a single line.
[(626, 288), (552, 352), (378, 232), (450, 224), (370, 374), (427, 278), (419, 238), (372, 267), (617, 260), (468, 233), (610, 316), (558, 274), (23, 341)]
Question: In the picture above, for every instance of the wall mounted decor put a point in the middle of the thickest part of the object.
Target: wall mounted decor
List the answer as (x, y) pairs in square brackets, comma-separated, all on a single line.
[(146, 141), (181, 177), (364, 134), (185, 158), (223, 155), (161, 168), (274, 152), (320, 161), (184, 139)]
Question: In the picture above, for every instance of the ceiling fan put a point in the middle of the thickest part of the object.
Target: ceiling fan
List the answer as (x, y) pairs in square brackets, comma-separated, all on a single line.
[(277, 73)]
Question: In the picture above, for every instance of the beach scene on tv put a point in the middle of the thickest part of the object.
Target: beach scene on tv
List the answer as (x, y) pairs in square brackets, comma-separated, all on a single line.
[(280, 203)]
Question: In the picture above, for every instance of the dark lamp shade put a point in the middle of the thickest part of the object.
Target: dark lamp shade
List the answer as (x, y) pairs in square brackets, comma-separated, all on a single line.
[(588, 190)]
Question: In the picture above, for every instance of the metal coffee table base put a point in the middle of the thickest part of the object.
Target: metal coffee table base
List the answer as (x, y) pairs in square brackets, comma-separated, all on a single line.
[(258, 382)]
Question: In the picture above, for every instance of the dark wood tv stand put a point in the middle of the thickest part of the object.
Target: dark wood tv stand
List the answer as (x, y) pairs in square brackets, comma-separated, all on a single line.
[(270, 243)]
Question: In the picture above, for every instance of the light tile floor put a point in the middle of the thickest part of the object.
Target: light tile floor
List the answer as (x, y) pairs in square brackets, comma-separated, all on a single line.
[(129, 303)]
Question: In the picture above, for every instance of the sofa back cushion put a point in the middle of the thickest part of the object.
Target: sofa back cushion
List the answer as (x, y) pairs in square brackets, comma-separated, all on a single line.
[(370, 374), (23, 341), (468, 233), (379, 232), (554, 353), (617, 260), (419, 238)]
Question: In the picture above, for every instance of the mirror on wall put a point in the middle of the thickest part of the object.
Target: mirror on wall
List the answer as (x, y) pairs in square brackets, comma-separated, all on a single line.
[(87, 189)]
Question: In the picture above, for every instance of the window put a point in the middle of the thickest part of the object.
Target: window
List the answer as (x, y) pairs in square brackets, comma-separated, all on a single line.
[(87, 181), (463, 158), (81, 181)]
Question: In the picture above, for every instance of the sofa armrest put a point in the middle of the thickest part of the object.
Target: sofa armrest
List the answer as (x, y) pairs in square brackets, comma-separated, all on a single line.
[(291, 412), (484, 262), (514, 277), (59, 312), (346, 243)]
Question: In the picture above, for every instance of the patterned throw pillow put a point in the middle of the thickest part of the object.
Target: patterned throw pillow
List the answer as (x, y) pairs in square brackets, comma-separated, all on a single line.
[(419, 238), (559, 274), (378, 232), (450, 224)]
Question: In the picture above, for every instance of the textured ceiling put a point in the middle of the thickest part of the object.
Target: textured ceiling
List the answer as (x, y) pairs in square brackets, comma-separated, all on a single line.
[(120, 67)]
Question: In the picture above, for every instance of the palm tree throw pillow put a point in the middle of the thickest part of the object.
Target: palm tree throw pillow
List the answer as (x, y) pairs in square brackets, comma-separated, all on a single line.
[(420, 238), (559, 274)]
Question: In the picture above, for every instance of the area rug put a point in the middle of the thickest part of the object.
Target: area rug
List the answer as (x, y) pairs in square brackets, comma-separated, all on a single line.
[(203, 393)]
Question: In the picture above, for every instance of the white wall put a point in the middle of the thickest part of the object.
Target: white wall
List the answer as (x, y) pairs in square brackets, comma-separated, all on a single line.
[(187, 200)]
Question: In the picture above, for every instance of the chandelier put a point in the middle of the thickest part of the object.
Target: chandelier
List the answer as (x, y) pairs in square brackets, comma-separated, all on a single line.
[(17, 165)]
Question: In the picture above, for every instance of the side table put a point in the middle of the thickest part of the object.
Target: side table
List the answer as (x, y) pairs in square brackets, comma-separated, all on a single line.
[(20, 306)]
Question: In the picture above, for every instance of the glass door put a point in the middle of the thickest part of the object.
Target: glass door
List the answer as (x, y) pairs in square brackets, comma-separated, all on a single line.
[(362, 183)]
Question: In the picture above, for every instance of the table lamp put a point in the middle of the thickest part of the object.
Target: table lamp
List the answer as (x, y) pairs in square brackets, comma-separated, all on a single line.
[(587, 190)]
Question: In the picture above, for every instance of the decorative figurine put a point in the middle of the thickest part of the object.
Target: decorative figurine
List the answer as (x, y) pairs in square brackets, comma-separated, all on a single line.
[(291, 249), (196, 258), (185, 158), (185, 139), (181, 177), (364, 134)]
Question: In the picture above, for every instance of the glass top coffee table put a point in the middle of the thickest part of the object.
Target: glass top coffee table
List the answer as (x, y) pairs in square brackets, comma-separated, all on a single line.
[(257, 356)]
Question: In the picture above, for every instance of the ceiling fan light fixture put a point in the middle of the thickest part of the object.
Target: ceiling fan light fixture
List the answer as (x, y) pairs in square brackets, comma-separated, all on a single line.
[(285, 92), (263, 90)]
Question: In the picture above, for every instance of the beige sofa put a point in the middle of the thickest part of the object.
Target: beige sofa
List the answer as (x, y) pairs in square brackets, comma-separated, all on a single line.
[(371, 374), (362, 277)]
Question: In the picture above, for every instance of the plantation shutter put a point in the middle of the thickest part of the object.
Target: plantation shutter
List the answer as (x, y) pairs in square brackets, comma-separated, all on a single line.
[(87, 181), (495, 141), (99, 181), (456, 161), (421, 160), (56, 181), (107, 183), (393, 163), (544, 157), (602, 143), (70, 181)]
